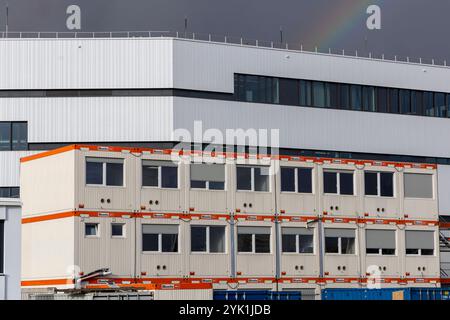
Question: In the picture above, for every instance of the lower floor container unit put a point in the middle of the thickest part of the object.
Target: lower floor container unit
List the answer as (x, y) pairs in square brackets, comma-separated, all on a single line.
[(140, 250)]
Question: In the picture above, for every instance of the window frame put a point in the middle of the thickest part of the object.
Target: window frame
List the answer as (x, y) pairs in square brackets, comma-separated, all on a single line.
[(419, 250), (11, 138), (254, 243), (160, 175), (433, 188), (296, 185), (207, 188), (378, 195), (208, 240), (338, 182), (340, 246), (297, 245), (252, 178), (160, 242), (380, 250), (123, 225), (97, 230), (104, 163)]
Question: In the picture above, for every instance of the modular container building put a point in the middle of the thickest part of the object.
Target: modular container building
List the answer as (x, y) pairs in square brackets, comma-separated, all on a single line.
[(88, 208)]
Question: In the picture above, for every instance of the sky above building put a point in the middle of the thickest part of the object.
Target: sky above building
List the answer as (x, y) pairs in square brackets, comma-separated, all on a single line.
[(409, 28)]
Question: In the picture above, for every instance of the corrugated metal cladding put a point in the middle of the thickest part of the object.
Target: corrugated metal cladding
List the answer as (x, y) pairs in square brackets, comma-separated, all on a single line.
[(85, 63), (444, 189), (322, 129), (92, 119), (210, 66), (10, 165)]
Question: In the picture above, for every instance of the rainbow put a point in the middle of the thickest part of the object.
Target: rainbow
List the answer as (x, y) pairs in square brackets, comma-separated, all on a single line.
[(338, 23)]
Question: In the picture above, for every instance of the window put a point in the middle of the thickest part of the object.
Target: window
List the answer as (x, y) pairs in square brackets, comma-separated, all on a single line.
[(344, 96), (419, 242), (341, 241), (439, 105), (159, 238), (382, 100), (319, 96), (288, 92), (305, 93), (208, 239), (260, 89), (418, 185), (393, 100), (13, 136), (91, 230), (208, 176), (405, 101), (2, 245), (428, 104), (381, 242), (356, 95), (296, 179), (104, 171), (118, 230), (9, 192), (159, 174), (369, 102), (252, 178), (379, 184), (416, 102), (253, 239), (297, 240), (338, 182), (333, 93)]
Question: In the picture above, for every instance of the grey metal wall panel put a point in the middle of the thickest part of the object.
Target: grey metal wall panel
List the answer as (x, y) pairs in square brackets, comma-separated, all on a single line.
[(333, 233), (443, 182), (380, 239), (85, 63), (156, 163), (418, 185), (419, 239), (208, 172), (321, 129)]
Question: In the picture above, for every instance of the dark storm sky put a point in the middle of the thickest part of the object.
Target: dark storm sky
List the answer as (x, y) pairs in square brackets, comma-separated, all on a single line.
[(415, 28)]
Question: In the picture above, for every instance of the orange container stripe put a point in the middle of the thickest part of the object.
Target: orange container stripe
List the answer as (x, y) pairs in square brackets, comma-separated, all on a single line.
[(47, 217), (48, 153), (46, 282)]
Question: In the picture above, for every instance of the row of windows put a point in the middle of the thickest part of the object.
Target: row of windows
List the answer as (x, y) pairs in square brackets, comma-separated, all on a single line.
[(262, 89), (164, 174), (211, 239), (9, 192), (2, 245), (13, 136)]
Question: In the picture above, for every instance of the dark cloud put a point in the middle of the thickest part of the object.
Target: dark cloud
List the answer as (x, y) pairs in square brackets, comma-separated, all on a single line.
[(414, 28)]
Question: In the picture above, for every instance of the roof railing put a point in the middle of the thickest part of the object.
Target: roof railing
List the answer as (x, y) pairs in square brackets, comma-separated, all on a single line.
[(296, 47)]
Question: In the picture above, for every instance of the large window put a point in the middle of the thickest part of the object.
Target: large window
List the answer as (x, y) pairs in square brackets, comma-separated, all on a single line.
[(419, 242), (297, 240), (296, 179), (159, 174), (159, 238), (253, 88), (2, 245), (252, 178), (253, 239), (13, 136), (260, 89), (91, 230), (104, 171), (208, 176), (9, 192), (379, 184), (380, 242), (418, 185), (340, 241), (338, 182), (208, 239)]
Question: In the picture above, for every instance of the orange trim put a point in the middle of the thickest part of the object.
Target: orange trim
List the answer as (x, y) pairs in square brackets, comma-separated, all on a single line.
[(48, 153), (49, 217), (46, 282), (232, 155)]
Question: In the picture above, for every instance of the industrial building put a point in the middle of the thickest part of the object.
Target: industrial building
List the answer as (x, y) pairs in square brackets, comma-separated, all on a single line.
[(359, 177)]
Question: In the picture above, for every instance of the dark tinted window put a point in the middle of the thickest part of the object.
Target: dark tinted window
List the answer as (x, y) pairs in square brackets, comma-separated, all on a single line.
[(332, 245), (287, 179), (244, 243), (428, 104), (169, 242), (117, 230), (94, 172), (369, 99), (305, 93), (149, 176), (5, 136), (330, 182), (370, 183), (305, 180), (346, 183), (305, 243), (19, 136), (198, 239), (150, 242), (439, 105), (262, 243), (114, 174), (216, 239), (382, 100), (416, 102), (387, 184), (356, 97), (2, 244), (288, 243), (393, 100), (288, 92), (333, 92), (344, 96), (169, 177), (319, 97), (244, 178), (405, 101)]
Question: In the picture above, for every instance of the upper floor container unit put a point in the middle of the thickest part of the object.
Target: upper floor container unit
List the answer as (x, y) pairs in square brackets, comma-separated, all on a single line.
[(116, 179)]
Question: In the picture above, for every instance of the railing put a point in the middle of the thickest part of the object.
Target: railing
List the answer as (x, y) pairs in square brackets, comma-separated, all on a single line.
[(299, 47)]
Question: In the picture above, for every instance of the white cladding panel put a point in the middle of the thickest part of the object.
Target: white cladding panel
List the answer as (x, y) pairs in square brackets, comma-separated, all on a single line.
[(443, 177), (91, 119), (321, 129), (85, 63), (210, 66), (10, 166)]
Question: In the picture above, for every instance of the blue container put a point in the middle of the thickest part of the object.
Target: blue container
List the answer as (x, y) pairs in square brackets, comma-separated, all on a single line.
[(256, 295), (386, 294)]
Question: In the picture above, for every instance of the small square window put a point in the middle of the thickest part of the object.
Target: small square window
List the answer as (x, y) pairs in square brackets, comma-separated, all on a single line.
[(91, 229), (117, 230)]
